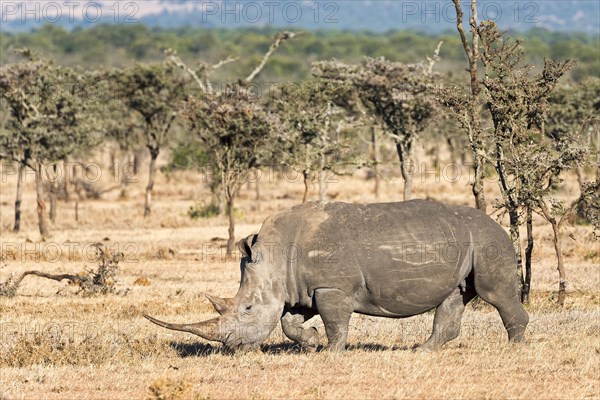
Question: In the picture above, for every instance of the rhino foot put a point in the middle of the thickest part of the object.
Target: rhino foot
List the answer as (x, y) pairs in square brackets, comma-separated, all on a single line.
[(423, 349), (291, 323)]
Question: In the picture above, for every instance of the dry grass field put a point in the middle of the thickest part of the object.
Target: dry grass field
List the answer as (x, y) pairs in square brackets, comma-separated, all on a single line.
[(56, 344)]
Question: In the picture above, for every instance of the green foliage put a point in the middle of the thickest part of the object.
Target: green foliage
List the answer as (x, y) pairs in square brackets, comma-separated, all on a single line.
[(202, 210), (312, 139), (117, 45), (154, 92), (527, 161), (588, 205), (572, 107), (186, 155), (235, 131), (396, 95), (48, 109)]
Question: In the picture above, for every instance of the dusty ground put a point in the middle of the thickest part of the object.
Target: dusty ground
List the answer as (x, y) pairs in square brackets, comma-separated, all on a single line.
[(56, 344)]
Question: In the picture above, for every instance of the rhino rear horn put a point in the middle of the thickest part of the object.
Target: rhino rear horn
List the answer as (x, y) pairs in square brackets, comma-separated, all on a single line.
[(221, 305), (209, 330)]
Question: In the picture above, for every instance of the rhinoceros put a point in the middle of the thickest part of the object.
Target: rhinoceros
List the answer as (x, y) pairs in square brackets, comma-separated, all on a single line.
[(392, 260)]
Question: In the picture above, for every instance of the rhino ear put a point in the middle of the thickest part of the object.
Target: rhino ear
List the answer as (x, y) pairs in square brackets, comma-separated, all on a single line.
[(245, 246)]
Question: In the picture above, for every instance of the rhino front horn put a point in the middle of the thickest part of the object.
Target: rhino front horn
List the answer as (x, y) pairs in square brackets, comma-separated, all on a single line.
[(209, 330), (221, 305)]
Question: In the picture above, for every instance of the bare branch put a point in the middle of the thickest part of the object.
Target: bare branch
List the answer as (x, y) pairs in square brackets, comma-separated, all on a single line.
[(282, 37), (436, 57), (217, 66), (474, 52), (77, 279), (226, 61), (461, 30), (172, 56)]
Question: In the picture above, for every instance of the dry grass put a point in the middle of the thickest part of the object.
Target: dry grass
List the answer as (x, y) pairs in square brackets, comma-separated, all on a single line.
[(59, 345)]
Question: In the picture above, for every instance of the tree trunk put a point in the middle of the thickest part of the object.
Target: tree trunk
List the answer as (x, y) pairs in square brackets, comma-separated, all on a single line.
[(113, 160), (477, 188), (306, 175), (375, 161), (257, 176), (136, 161), (53, 194), (257, 198), (598, 172), (322, 186), (580, 177), (562, 275), (41, 205), (403, 155), (66, 180), (516, 240), (528, 255), (451, 142), (322, 183), (474, 129), (151, 173), (124, 175), (231, 230), (21, 176), (513, 211), (52, 212)]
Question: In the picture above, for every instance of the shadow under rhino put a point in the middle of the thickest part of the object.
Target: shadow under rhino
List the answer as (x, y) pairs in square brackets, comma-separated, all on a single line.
[(185, 350)]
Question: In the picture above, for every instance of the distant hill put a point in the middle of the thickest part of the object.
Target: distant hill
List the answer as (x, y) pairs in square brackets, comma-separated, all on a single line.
[(372, 15)]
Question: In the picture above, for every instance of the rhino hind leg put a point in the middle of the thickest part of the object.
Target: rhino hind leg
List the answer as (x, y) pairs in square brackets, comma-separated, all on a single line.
[(335, 308), (291, 323), (514, 317), (446, 323), (500, 289)]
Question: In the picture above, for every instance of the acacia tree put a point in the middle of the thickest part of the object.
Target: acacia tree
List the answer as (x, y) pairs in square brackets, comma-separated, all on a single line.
[(395, 95), (233, 127), (469, 116), (538, 165), (574, 111), (527, 166), (468, 108), (312, 140), (47, 121), (237, 134), (527, 157), (120, 127), (154, 92)]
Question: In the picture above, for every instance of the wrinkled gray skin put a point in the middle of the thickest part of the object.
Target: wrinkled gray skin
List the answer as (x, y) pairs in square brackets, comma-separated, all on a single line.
[(390, 260)]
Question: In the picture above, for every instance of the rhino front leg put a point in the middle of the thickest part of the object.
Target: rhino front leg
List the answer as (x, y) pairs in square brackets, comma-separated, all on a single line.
[(335, 308), (291, 323)]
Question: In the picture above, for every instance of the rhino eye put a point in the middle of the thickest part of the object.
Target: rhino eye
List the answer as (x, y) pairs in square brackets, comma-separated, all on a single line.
[(248, 308)]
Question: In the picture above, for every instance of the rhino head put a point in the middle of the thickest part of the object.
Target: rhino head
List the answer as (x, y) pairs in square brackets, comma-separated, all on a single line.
[(247, 319)]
